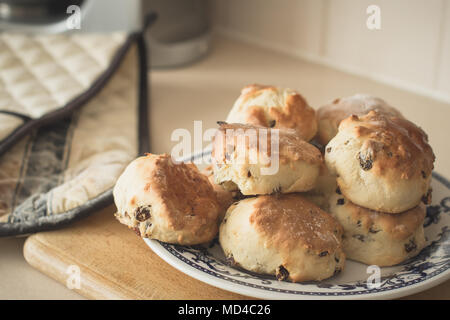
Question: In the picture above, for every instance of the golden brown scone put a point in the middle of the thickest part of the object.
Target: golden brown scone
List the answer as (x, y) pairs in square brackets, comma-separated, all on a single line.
[(224, 197), (274, 107), (330, 116), (240, 161), (169, 202), (381, 163), (285, 235), (377, 238)]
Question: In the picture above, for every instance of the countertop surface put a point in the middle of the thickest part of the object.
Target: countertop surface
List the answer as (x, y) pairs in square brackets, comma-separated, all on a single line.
[(206, 91)]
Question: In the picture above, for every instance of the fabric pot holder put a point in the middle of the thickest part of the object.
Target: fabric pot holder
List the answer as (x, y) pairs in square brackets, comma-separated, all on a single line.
[(73, 114)]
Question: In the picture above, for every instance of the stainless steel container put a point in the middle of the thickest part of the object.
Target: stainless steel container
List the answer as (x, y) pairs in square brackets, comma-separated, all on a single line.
[(181, 34)]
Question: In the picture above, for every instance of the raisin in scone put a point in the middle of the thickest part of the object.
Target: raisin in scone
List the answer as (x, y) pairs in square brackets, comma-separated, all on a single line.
[(280, 162), (377, 238), (330, 116), (282, 235), (166, 201), (274, 107), (381, 163)]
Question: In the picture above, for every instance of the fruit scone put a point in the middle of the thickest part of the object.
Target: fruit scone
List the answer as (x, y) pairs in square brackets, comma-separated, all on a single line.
[(274, 107), (283, 235), (377, 238), (167, 201), (382, 163), (330, 115), (258, 160)]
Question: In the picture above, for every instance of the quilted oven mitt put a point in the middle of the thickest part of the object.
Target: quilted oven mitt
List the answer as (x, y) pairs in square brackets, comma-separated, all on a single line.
[(73, 114)]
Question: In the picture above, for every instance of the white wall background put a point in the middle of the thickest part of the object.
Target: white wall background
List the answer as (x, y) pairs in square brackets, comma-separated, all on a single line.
[(411, 50)]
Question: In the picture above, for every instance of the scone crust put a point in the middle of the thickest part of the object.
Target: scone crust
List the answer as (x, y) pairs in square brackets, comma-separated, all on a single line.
[(238, 166), (378, 238), (275, 107), (171, 202), (330, 115), (291, 146), (224, 197), (382, 163), (286, 236), (290, 221)]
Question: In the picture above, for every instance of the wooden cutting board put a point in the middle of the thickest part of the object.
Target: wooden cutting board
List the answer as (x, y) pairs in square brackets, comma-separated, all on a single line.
[(114, 263)]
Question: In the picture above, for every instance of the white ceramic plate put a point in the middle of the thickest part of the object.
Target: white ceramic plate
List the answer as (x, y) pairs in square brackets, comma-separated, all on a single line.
[(431, 267)]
